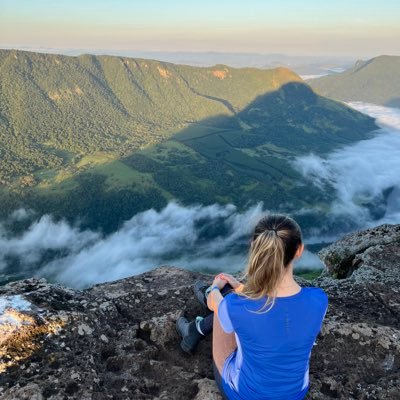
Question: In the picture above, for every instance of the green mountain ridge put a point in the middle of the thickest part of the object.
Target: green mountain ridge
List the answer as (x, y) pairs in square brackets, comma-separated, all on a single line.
[(374, 81), (81, 134), (52, 103)]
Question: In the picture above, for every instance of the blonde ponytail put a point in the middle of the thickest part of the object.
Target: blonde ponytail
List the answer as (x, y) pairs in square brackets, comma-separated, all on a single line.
[(275, 241)]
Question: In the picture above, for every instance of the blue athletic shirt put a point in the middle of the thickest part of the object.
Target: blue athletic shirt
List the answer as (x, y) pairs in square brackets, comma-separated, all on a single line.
[(272, 358)]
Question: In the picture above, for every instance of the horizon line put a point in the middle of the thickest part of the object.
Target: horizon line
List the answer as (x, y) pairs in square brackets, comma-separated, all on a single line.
[(95, 51)]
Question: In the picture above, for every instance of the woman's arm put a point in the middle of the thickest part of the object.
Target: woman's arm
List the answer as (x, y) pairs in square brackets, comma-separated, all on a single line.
[(215, 297), (237, 286), (213, 300)]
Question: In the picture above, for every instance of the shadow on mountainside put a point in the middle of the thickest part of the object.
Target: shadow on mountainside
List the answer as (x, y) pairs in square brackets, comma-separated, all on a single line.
[(242, 158)]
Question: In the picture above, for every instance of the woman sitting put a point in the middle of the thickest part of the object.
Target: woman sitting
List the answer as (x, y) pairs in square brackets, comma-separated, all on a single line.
[(264, 329)]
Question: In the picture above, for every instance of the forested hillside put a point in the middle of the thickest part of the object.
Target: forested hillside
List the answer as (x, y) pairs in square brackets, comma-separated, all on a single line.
[(80, 134), (54, 108), (374, 81)]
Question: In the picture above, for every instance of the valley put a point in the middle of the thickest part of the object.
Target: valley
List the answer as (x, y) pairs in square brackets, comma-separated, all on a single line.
[(100, 130)]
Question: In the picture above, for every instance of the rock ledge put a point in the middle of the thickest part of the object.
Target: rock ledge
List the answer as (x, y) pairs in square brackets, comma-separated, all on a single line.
[(118, 341)]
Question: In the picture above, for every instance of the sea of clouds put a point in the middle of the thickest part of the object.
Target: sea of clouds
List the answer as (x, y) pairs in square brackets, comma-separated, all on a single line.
[(176, 235), (365, 175), (215, 237)]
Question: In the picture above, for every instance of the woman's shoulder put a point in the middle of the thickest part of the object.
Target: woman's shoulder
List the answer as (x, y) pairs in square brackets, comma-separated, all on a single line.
[(311, 292), (235, 298), (315, 293)]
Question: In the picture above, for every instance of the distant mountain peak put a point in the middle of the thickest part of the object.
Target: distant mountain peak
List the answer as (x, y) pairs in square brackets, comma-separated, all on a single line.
[(374, 81)]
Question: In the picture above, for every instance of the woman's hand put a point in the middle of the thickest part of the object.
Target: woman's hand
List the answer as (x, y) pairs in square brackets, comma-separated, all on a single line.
[(219, 281), (231, 280)]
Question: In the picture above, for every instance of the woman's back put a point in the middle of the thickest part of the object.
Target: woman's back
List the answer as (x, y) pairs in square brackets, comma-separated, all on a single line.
[(274, 347)]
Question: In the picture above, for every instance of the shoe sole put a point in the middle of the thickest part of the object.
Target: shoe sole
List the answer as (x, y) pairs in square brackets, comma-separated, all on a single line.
[(185, 348)]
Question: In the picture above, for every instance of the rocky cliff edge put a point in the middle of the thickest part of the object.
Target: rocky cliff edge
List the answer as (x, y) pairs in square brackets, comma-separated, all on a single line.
[(118, 341)]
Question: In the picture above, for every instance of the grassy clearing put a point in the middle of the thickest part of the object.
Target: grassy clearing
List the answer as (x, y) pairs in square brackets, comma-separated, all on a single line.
[(67, 156), (61, 183), (196, 131), (119, 174), (249, 186), (96, 159), (44, 175), (171, 149), (309, 274)]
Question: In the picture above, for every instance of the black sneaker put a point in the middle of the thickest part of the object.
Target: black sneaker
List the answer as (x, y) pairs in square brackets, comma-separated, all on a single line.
[(199, 290), (190, 336)]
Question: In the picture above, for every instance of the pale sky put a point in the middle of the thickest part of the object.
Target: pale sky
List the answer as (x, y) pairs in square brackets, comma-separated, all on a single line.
[(296, 27)]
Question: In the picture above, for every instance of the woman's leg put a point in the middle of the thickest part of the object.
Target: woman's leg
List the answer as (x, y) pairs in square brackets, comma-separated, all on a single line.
[(192, 332), (205, 326), (223, 344), (218, 381)]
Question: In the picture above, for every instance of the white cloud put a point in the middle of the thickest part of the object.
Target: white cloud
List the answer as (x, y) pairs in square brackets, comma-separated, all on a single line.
[(387, 117), (41, 236), (363, 173), (213, 238), (192, 237), (20, 214)]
